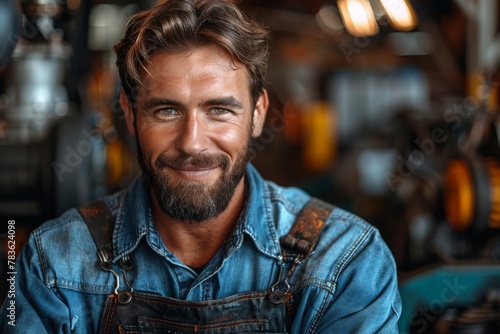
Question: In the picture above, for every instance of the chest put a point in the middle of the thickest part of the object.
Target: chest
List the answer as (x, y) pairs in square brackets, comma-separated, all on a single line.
[(164, 275)]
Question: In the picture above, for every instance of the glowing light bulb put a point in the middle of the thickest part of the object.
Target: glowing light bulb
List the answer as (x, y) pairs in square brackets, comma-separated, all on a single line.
[(358, 17), (400, 13)]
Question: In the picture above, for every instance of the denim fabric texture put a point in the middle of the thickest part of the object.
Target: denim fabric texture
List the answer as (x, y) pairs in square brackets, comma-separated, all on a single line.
[(348, 285)]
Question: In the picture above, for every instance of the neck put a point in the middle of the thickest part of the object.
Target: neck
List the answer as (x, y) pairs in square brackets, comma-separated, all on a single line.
[(195, 243)]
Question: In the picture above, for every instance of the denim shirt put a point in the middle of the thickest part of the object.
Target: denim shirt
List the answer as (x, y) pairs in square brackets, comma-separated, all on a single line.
[(348, 285)]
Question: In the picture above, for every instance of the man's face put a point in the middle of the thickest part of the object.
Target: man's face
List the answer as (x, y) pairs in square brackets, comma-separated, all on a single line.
[(193, 123)]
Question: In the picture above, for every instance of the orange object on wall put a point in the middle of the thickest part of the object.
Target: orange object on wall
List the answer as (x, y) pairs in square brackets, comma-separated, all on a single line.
[(319, 139)]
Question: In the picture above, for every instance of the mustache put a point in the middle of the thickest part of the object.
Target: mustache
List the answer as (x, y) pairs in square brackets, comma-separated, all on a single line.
[(199, 160)]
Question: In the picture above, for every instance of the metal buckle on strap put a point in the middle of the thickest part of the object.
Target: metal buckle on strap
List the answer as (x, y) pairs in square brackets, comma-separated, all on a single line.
[(100, 223), (277, 297), (299, 243), (296, 244)]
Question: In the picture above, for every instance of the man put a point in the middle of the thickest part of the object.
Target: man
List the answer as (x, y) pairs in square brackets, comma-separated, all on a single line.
[(199, 244)]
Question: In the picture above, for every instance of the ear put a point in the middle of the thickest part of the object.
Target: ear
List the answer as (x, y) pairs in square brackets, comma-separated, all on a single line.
[(259, 113), (128, 112)]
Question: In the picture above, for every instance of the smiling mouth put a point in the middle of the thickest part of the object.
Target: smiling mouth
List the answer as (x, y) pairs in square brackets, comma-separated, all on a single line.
[(191, 172), (194, 168)]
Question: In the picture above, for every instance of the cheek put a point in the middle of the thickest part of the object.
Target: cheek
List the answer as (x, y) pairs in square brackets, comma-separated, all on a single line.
[(228, 136), (153, 141), (232, 139)]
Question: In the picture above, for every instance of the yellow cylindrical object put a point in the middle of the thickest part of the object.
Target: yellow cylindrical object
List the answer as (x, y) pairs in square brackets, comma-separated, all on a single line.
[(118, 163), (479, 88), (472, 193), (319, 146), (459, 195), (493, 168)]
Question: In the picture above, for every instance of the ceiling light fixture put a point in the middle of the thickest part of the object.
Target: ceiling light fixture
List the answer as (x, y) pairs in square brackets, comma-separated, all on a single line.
[(400, 14), (358, 17)]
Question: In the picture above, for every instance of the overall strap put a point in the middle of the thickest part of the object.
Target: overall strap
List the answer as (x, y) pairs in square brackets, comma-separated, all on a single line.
[(304, 234), (101, 224), (297, 246)]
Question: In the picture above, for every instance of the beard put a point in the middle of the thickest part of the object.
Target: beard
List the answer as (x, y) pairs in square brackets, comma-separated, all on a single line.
[(192, 201)]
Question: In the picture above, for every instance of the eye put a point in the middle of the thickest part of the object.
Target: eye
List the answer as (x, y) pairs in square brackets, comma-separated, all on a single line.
[(167, 112), (218, 111)]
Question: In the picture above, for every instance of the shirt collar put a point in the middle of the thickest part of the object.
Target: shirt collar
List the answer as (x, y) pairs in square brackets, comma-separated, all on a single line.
[(134, 218), (258, 222)]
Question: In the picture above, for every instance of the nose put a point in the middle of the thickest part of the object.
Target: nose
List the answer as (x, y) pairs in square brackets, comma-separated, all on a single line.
[(192, 137)]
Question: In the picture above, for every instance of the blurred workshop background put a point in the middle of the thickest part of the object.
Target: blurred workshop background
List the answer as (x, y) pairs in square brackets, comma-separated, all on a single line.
[(387, 108)]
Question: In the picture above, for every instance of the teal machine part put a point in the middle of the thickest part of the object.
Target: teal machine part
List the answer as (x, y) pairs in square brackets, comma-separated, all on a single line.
[(427, 295)]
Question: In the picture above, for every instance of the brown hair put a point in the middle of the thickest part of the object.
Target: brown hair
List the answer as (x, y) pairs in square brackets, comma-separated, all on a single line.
[(179, 25)]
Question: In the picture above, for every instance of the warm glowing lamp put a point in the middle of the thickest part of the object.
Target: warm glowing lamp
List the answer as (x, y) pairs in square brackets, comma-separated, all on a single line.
[(400, 13), (358, 17)]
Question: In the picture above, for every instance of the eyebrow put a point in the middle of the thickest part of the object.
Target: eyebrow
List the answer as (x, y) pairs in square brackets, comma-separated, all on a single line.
[(155, 102), (227, 101)]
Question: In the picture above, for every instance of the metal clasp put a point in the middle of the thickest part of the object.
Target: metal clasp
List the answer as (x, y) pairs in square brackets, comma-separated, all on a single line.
[(105, 264), (124, 296), (277, 297)]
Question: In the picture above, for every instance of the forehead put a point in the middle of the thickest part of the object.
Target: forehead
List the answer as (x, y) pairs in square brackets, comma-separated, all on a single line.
[(205, 68)]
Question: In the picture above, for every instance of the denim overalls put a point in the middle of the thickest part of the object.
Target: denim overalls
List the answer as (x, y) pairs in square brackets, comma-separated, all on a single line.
[(269, 311)]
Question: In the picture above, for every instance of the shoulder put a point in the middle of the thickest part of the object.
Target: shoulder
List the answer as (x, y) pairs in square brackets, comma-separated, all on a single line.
[(339, 222), (61, 250), (349, 252), (344, 235), (289, 200), (70, 224), (350, 270)]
